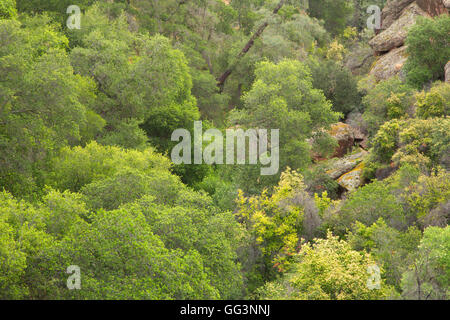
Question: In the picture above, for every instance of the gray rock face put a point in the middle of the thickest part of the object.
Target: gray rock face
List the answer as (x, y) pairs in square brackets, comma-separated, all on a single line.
[(447, 71), (390, 64), (353, 179), (359, 126), (432, 7), (338, 167), (392, 11), (343, 134), (395, 35), (398, 16)]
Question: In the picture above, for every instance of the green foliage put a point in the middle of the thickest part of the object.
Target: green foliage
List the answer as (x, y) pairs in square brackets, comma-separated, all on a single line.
[(389, 99), (136, 75), (336, 82), (64, 210), (144, 83), (423, 143), (290, 81), (127, 134), (84, 113), (282, 97), (76, 167), (318, 181), (327, 269), (222, 191), (8, 9), (44, 105), (428, 193), (159, 239), (38, 6), (429, 275), (128, 185), (276, 223), (130, 262), (435, 103), (360, 14), (13, 263), (367, 205), (200, 227), (335, 13), (407, 198), (428, 50), (392, 249)]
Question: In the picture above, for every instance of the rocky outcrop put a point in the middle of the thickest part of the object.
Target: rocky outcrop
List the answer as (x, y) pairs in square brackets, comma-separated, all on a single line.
[(344, 136), (392, 11), (397, 17), (433, 7), (394, 36), (447, 71), (359, 126), (348, 135), (390, 64), (353, 179), (340, 166)]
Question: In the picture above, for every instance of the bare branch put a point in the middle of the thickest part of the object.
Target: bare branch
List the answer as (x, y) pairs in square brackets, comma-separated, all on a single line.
[(221, 80)]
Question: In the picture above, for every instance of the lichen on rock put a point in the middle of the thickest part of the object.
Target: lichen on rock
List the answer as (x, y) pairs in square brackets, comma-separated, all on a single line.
[(340, 166), (390, 64), (353, 179), (395, 35)]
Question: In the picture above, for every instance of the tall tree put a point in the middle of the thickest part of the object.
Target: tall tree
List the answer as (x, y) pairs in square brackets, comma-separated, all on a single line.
[(221, 80)]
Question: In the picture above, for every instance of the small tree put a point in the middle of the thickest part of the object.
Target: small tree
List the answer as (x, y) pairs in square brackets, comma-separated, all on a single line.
[(435, 103), (429, 276), (429, 50), (328, 269)]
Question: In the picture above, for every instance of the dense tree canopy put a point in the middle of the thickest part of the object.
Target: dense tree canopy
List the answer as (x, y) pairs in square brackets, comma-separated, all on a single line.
[(357, 209)]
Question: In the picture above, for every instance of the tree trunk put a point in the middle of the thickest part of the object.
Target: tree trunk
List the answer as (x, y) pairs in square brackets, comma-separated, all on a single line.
[(221, 80)]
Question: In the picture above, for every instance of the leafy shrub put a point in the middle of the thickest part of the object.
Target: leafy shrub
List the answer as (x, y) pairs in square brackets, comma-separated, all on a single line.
[(367, 205), (336, 82), (335, 13), (435, 103), (327, 269), (275, 223), (391, 248), (8, 9), (318, 181), (428, 49), (429, 275), (424, 143), (389, 99)]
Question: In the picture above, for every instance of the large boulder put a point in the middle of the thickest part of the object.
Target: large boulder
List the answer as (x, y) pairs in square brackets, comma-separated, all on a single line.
[(395, 35), (392, 11), (353, 179), (344, 136), (433, 7), (390, 64), (359, 127), (339, 166), (447, 71)]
